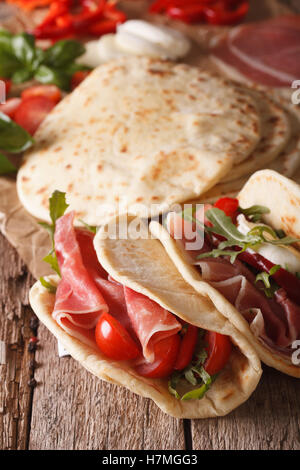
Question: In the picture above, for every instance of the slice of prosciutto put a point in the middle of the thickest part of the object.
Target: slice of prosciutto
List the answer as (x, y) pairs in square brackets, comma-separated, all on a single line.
[(267, 52), (86, 291), (78, 302), (276, 321)]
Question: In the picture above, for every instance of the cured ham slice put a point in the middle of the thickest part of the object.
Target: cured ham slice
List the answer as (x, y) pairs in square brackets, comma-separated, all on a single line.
[(278, 317), (275, 320), (78, 302), (85, 291), (151, 322), (267, 52)]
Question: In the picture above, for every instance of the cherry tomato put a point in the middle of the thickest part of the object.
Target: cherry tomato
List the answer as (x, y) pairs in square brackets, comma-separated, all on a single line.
[(187, 348), (78, 77), (10, 106), (218, 350), (165, 352), (229, 205), (49, 91), (114, 340), (32, 111)]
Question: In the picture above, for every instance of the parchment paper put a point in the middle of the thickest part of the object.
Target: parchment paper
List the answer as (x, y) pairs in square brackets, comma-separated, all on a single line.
[(20, 228)]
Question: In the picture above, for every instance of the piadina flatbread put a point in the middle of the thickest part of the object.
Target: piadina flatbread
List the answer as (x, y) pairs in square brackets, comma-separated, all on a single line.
[(269, 320), (142, 267), (139, 132)]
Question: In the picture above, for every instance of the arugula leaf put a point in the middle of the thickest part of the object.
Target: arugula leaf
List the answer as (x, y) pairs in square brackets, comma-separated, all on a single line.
[(58, 207), (223, 225), (13, 138), (51, 288), (196, 394), (5, 165), (263, 276), (255, 212), (194, 374), (91, 228)]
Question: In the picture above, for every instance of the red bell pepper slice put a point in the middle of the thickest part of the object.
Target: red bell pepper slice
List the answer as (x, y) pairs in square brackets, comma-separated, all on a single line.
[(288, 281), (187, 14), (187, 348), (221, 13)]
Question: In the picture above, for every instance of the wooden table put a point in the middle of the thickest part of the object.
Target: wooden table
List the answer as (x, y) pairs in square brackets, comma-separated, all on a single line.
[(71, 409)]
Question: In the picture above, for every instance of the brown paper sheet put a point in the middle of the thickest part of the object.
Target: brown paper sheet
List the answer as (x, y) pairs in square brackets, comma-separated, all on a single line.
[(20, 228)]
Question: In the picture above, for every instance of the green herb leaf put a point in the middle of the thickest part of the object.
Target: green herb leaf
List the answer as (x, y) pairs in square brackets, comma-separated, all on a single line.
[(63, 52), (6, 166), (23, 47), (58, 207), (50, 287), (13, 138), (254, 213), (51, 259), (223, 225), (21, 60), (45, 74), (195, 394), (91, 228)]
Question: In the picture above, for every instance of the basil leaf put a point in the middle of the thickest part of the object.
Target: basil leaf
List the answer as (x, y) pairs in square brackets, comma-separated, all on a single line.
[(13, 138), (5, 165), (50, 287), (5, 39), (23, 47), (21, 76), (63, 52), (8, 63), (46, 75)]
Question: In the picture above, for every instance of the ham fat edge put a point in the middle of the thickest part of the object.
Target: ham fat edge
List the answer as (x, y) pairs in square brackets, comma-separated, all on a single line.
[(86, 290)]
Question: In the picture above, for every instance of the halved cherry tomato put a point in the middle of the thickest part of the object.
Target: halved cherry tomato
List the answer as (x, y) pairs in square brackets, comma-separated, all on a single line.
[(218, 350), (49, 91), (32, 111), (114, 340), (10, 106), (187, 348), (166, 352), (78, 77), (229, 205)]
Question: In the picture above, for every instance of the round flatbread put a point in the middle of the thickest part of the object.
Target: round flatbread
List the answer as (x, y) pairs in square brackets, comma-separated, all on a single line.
[(138, 132), (276, 132)]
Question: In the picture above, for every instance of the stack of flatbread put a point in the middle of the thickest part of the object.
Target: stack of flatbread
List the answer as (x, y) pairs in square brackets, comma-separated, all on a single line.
[(140, 134)]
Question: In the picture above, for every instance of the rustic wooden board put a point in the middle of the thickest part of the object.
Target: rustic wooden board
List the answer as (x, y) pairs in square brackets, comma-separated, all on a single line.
[(71, 409)]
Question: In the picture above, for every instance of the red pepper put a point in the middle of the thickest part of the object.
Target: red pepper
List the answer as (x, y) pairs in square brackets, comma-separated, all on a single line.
[(221, 13), (103, 27), (187, 348), (288, 281), (218, 12), (95, 17), (57, 9), (229, 205), (187, 14)]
